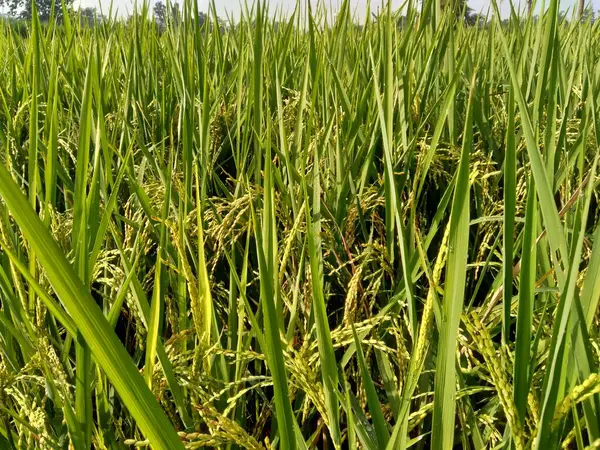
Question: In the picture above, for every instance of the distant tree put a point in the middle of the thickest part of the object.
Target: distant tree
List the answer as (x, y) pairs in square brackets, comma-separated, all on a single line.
[(461, 9), (172, 12), (44, 9), (12, 5), (132, 17), (587, 13), (465, 12), (202, 18), (562, 16), (90, 16), (22, 8), (162, 13)]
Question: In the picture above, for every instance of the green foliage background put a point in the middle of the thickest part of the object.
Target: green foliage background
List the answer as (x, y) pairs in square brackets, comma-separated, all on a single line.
[(298, 232)]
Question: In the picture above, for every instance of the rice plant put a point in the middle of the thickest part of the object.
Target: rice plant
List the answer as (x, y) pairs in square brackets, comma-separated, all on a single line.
[(300, 231)]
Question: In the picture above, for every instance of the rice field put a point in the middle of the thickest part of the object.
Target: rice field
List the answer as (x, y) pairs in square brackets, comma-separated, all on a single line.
[(300, 232)]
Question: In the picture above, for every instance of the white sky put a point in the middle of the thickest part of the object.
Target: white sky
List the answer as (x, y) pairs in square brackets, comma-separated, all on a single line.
[(234, 8), (360, 6)]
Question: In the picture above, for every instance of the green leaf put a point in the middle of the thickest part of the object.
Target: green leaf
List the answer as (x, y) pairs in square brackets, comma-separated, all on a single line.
[(381, 431), (106, 349), (444, 406)]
